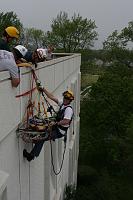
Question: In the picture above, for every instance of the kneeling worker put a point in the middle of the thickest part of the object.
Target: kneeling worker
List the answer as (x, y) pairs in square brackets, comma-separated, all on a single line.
[(39, 55), (30, 57), (8, 62), (59, 129)]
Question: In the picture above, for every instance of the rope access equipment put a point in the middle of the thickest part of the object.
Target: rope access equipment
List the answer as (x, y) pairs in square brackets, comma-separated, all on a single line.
[(36, 127)]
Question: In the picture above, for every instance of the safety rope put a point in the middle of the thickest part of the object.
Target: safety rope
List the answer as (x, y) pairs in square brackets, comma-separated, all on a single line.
[(26, 93), (52, 159)]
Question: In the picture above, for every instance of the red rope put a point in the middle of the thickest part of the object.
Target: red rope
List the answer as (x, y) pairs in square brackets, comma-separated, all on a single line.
[(32, 89), (25, 93)]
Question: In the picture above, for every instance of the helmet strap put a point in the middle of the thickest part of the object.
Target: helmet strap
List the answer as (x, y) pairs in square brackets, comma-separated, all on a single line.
[(8, 38)]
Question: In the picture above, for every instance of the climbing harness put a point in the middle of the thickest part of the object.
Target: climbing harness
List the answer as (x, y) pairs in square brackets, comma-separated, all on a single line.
[(60, 116)]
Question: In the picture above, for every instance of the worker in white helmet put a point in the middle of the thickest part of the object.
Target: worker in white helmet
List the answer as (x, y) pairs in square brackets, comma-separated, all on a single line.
[(22, 50), (39, 55)]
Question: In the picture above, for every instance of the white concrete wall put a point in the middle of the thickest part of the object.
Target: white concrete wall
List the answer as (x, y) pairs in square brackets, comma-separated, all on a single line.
[(36, 180)]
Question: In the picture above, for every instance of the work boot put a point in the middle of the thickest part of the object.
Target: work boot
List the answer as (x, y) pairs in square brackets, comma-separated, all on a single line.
[(27, 155)]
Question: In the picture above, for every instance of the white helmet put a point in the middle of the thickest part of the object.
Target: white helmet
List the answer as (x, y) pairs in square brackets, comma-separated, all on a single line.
[(22, 50), (42, 53)]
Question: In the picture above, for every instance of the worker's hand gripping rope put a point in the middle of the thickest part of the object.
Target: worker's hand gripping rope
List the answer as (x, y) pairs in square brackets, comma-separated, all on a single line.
[(39, 86)]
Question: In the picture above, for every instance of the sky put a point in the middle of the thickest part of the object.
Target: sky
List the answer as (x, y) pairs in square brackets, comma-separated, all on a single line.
[(109, 15)]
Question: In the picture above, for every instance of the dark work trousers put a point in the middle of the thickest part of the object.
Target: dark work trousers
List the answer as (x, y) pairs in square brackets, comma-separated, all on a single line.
[(55, 134)]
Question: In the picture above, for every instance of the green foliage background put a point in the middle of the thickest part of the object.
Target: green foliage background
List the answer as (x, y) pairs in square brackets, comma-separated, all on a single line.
[(106, 138)]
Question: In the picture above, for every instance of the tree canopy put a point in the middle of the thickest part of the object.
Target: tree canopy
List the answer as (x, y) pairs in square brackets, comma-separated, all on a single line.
[(72, 34), (106, 134), (32, 38), (68, 35), (118, 46), (9, 19)]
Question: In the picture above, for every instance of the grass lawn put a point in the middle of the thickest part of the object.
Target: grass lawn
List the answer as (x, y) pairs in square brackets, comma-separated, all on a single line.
[(88, 79)]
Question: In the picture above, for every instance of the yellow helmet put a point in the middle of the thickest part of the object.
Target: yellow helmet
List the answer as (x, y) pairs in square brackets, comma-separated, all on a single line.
[(68, 95), (12, 32)]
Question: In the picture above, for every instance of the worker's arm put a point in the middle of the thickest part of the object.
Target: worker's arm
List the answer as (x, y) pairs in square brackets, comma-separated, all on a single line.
[(67, 117), (64, 122), (14, 71), (15, 82), (50, 95)]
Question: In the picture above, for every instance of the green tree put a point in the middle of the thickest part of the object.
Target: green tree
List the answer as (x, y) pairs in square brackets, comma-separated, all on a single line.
[(114, 41), (116, 46), (106, 139), (9, 19), (127, 32), (32, 38), (71, 34), (110, 105)]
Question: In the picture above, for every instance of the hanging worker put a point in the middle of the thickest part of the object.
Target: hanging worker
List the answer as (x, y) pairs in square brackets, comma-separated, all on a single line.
[(10, 33), (8, 62), (60, 127)]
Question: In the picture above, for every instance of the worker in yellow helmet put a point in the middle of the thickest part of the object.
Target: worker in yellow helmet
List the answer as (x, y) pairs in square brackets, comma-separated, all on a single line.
[(60, 127), (10, 33)]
